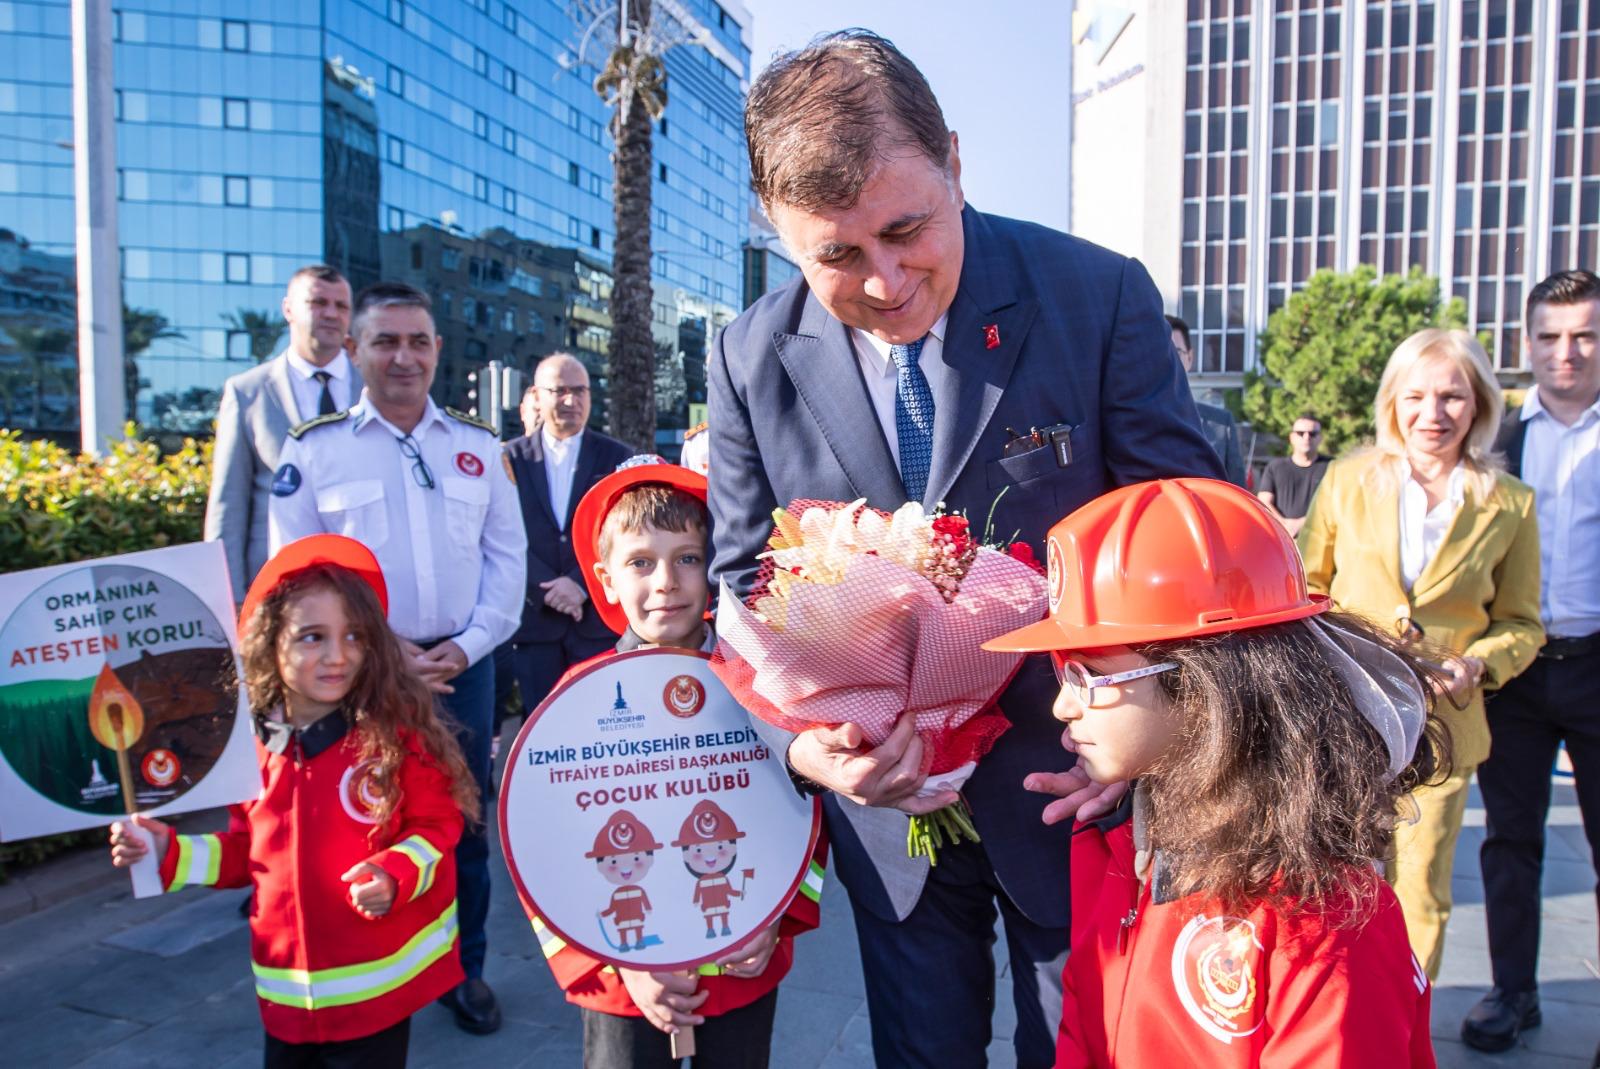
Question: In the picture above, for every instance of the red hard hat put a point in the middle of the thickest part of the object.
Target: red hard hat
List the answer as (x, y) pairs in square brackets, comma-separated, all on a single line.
[(1165, 560), (706, 823), (595, 505), (622, 834), (301, 554)]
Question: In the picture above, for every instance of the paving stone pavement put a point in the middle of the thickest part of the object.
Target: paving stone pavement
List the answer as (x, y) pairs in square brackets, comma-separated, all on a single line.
[(103, 981)]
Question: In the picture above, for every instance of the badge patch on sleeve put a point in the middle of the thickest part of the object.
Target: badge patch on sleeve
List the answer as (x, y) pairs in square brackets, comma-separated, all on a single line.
[(286, 480), (1216, 966)]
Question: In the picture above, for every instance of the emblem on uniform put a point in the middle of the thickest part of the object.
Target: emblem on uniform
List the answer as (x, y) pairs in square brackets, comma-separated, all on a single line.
[(469, 465), (684, 696), (1056, 574), (991, 336), (286, 480), (1216, 965), (358, 793), (160, 768)]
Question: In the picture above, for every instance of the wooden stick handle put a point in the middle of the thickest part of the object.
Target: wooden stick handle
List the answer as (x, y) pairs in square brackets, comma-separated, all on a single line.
[(125, 773)]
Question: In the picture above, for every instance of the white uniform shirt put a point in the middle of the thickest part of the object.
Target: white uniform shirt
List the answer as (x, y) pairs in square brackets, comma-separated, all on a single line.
[(1562, 464), (1421, 529), (560, 465), (308, 391), (454, 557), (878, 369)]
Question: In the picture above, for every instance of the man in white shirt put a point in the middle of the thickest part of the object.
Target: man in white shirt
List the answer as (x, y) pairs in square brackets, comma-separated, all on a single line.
[(1555, 448), (312, 377), (425, 489), (554, 464)]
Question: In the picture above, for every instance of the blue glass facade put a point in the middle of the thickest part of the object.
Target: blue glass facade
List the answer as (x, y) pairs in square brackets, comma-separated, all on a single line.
[(254, 139)]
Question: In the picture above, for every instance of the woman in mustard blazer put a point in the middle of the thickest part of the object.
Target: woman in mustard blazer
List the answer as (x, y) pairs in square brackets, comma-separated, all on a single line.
[(1426, 535)]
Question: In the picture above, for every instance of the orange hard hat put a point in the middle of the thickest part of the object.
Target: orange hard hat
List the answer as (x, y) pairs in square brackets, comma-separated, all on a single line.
[(303, 553), (622, 833), (707, 823), (594, 506), (1166, 560)]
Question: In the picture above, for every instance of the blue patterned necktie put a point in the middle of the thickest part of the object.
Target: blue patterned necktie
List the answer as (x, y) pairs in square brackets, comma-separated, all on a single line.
[(913, 418)]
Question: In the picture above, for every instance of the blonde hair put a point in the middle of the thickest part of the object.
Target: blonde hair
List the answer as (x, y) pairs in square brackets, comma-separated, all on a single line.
[(1468, 357)]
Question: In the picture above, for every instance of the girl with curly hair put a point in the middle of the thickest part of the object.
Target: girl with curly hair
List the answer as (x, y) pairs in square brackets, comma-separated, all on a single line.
[(1232, 911), (350, 844)]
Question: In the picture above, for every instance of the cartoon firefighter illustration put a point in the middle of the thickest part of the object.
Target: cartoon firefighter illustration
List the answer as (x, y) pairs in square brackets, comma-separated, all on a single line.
[(623, 851), (708, 838)]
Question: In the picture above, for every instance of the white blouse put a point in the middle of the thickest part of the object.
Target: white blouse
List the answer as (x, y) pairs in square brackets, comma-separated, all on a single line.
[(1423, 529)]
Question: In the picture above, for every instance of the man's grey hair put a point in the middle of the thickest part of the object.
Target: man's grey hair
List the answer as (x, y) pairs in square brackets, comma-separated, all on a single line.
[(387, 295)]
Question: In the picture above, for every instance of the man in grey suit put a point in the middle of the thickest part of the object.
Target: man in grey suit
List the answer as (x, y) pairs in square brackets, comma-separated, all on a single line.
[(311, 377), (934, 353)]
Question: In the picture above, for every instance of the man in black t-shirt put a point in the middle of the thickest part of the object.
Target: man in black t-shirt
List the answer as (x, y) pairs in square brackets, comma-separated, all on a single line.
[(1289, 482)]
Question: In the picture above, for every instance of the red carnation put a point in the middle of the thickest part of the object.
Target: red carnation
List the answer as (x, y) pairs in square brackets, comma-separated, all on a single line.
[(1023, 552)]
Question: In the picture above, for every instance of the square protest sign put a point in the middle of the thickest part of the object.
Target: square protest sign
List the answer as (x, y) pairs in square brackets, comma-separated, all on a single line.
[(119, 691)]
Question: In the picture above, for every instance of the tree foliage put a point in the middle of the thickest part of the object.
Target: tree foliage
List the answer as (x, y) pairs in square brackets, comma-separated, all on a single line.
[(1324, 351), (141, 328)]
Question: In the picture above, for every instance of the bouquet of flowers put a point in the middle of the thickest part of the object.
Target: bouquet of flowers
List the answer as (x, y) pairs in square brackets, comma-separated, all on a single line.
[(862, 617)]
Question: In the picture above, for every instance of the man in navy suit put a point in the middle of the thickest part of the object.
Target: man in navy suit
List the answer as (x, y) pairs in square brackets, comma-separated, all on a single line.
[(935, 353), (554, 465)]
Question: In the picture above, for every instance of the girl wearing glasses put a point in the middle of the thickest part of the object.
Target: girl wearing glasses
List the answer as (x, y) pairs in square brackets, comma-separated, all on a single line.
[(1230, 912)]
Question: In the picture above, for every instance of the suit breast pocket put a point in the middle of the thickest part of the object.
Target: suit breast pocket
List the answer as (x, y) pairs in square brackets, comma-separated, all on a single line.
[(1023, 468), (356, 510), (466, 502)]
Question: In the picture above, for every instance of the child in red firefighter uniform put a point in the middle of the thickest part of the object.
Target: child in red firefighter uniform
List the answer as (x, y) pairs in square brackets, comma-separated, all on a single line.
[(1231, 912), (640, 535), (350, 846)]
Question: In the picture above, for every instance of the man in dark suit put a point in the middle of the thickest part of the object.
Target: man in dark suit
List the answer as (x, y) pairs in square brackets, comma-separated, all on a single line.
[(554, 466), (934, 353)]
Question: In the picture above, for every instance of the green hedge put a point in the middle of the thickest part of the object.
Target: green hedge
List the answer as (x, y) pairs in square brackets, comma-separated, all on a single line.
[(57, 507)]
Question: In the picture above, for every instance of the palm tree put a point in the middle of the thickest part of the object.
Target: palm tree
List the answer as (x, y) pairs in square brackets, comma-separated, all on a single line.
[(141, 327), (633, 83), (263, 327), (43, 348)]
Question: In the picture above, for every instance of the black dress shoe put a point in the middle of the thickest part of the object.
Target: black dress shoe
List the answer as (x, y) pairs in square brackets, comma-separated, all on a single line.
[(474, 1006), (1498, 1018)]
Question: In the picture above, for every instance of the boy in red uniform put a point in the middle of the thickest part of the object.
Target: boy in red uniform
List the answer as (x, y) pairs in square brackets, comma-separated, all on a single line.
[(351, 844), (1230, 913), (623, 851), (640, 535)]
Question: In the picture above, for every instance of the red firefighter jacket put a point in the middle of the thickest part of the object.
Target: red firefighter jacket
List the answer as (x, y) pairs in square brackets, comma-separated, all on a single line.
[(594, 985), (1173, 983), (323, 971)]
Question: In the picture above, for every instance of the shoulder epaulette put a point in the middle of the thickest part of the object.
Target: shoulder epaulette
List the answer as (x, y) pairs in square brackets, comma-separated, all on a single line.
[(332, 417), (455, 413), (698, 428)]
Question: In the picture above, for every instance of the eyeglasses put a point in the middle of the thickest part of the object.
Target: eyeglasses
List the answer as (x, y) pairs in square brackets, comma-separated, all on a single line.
[(1083, 683), (1306, 434), (419, 467), (576, 393)]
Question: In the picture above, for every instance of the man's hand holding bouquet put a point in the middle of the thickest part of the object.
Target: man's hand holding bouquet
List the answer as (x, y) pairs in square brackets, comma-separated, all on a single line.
[(863, 634)]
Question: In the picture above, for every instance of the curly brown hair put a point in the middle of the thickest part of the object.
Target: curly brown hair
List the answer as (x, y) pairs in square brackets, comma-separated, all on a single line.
[(388, 702), (1279, 789)]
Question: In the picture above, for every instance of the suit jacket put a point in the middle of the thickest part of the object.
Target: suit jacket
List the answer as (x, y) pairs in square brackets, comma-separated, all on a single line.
[(1082, 343), (549, 544), (253, 418), (1477, 597)]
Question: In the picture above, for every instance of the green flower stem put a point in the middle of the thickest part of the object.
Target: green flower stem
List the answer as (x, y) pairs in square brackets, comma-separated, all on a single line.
[(927, 833)]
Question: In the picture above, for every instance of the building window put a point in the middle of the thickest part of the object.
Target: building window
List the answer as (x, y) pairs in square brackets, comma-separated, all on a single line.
[(235, 35), (396, 82), (238, 267), (449, 258), (663, 174), (480, 187), (509, 322), (663, 126), (469, 309), (480, 124), (508, 200), (594, 237), (394, 218), (396, 150), (508, 139), (480, 61), (235, 113), (574, 173), (397, 12), (508, 80), (416, 255), (236, 191)]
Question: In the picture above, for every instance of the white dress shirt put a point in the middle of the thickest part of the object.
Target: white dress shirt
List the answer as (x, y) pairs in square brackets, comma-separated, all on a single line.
[(1562, 464), (877, 368), (560, 465), (1423, 529), (308, 391), (454, 557)]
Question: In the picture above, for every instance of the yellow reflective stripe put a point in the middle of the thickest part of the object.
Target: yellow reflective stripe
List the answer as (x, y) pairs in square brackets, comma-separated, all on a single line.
[(549, 942), (811, 886), (709, 970), (199, 861), (425, 856), (347, 984)]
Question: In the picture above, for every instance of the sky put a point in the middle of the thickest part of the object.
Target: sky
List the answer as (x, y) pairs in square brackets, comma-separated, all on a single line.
[(997, 68)]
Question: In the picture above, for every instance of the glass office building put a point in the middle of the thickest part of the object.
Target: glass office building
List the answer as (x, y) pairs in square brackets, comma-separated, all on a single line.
[(1461, 137), (441, 141)]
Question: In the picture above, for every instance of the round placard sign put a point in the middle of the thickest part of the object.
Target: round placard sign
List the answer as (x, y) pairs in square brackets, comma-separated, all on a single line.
[(645, 821)]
